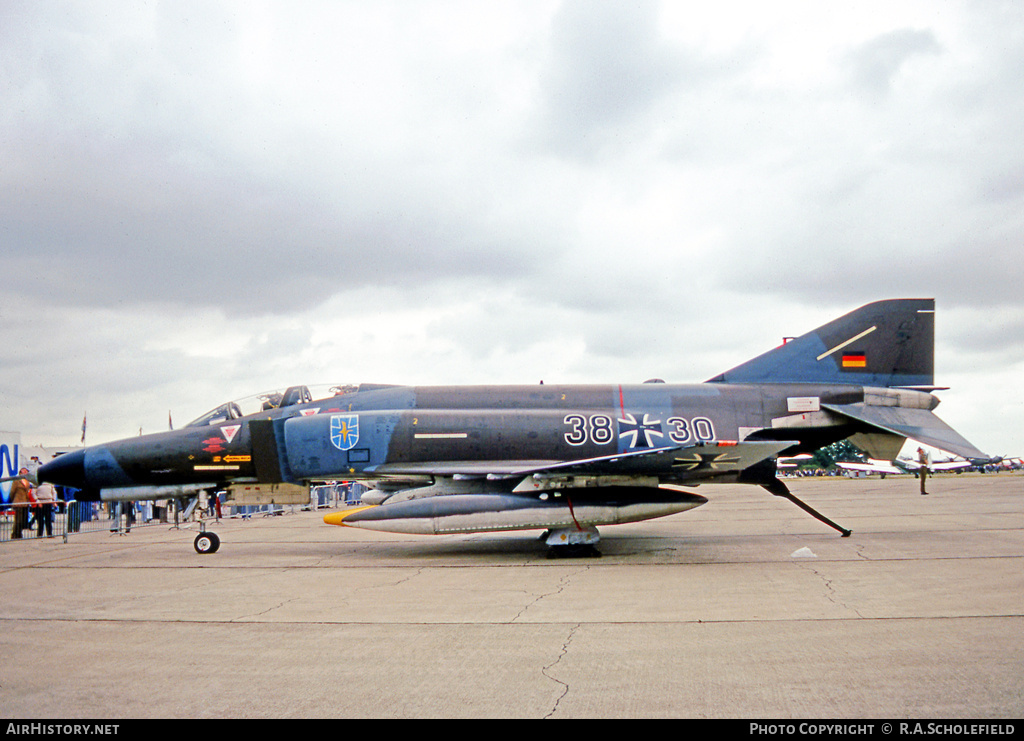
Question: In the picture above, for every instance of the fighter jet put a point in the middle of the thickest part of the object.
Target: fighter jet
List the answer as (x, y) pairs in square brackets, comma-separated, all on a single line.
[(560, 458)]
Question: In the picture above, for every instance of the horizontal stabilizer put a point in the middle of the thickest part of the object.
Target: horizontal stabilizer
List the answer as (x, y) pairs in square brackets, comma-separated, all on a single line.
[(919, 425)]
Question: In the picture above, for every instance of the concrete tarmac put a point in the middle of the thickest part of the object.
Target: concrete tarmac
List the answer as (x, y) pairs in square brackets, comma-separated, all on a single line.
[(713, 613)]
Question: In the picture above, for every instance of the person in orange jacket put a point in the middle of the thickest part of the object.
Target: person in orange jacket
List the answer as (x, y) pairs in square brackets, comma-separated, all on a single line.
[(22, 498)]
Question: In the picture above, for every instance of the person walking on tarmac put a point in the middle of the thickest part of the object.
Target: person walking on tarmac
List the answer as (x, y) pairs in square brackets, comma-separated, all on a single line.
[(21, 498), (923, 459)]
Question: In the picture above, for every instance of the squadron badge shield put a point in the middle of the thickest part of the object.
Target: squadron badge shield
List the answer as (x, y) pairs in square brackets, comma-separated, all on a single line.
[(344, 431)]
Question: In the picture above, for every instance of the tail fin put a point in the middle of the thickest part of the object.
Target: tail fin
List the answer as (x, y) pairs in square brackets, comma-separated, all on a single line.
[(885, 343)]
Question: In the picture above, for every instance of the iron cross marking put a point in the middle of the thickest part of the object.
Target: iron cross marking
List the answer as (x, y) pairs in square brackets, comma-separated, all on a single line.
[(640, 434), (706, 462)]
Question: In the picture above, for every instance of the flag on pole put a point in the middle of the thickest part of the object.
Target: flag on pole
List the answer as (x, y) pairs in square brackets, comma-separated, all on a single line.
[(170, 424), (83, 428)]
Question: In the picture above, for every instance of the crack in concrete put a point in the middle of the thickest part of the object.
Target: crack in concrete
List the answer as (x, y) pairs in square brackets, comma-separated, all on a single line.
[(267, 611), (343, 600), (830, 593), (546, 671), (562, 584)]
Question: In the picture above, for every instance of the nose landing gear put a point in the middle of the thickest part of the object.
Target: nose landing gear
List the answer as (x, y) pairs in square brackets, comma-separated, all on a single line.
[(207, 542)]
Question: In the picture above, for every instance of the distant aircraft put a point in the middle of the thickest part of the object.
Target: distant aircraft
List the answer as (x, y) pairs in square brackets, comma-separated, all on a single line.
[(785, 461), (906, 465), (871, 466), (948, 465), (561, 458)]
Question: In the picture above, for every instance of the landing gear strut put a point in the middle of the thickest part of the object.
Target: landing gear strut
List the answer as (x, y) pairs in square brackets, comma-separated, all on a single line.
[(779, 489)]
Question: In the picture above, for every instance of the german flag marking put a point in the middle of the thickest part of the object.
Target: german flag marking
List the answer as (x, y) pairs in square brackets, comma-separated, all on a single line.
[(855, 360)]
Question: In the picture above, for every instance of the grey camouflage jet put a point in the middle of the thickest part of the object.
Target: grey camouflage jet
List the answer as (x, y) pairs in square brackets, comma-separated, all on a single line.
[(560, 458)]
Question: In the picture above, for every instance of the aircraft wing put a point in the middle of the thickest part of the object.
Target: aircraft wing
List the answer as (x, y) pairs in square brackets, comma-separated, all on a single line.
[(920, 425), (680, 462)]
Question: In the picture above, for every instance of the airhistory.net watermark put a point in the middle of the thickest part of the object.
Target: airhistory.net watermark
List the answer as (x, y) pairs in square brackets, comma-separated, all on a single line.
[(61, 729)]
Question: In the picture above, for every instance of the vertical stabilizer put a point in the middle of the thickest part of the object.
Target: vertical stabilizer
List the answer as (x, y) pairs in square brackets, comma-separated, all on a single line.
[(886, 343)]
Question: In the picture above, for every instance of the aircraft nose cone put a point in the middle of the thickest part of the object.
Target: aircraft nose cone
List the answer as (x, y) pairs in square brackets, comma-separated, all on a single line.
[(67, 470)]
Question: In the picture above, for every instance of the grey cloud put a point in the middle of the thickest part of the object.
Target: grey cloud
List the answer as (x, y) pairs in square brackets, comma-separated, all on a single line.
[(112, 222), (875, 64), (137, 171), (1007, 185), (995, 335), (608, 67)]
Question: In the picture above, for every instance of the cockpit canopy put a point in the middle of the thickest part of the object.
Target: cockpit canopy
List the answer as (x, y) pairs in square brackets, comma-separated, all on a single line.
[(291, 396)]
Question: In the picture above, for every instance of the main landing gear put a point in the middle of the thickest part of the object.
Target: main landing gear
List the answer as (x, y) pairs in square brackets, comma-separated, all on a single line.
[(779, 489), (572, 542)]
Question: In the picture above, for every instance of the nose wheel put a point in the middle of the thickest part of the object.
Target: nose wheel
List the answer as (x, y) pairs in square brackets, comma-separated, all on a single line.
[(207, 543)]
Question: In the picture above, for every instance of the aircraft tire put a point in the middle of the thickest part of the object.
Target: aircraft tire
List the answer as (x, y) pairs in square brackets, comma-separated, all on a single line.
[(207, 543), (573, 551)]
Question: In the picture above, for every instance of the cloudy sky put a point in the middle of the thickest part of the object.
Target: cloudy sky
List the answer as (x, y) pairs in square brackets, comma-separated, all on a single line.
[(202, 200)]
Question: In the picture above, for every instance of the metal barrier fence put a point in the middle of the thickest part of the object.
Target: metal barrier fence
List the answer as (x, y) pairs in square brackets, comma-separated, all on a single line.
[(336, 494), (30, 521), (27, 521)]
